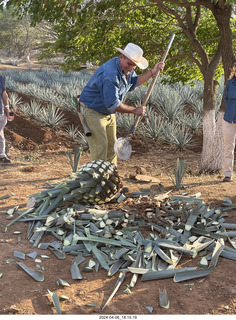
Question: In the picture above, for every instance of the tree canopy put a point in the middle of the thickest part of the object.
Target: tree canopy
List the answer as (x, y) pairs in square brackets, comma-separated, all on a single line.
[(18, 38), (90, 30)]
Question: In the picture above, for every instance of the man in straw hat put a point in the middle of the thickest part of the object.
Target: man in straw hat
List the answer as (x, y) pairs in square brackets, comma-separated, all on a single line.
[(103, 96)]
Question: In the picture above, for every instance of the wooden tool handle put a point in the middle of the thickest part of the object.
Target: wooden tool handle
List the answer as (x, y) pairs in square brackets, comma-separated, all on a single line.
[(153, 83)]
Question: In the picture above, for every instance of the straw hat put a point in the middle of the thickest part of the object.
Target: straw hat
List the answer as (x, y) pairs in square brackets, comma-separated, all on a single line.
[(135, 54)]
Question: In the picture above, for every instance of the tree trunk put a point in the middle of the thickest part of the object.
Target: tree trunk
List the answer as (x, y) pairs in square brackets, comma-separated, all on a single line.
[(222, 14), (209, 123), (213, 147)]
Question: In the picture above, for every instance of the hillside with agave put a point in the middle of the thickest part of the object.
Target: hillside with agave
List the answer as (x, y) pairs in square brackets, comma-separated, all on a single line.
[(174, 113)]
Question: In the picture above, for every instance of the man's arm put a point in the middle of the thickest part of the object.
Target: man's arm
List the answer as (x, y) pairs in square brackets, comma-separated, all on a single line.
[(5, 100), (150, 73), (123, 108)]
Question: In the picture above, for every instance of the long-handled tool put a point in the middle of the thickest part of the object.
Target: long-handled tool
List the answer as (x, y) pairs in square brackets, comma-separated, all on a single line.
[(122, 146)]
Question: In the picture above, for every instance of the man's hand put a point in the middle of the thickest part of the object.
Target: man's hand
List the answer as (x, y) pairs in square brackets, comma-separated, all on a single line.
[(140, 111), (7, 111), (159, 65)]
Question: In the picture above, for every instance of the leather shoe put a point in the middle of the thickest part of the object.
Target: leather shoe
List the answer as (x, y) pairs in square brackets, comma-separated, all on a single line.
[(5, 160), (227, 179)]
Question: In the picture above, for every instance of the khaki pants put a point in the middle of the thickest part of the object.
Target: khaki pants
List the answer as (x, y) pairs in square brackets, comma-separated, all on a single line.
[(103, 129), (229, 133), (3, 122)]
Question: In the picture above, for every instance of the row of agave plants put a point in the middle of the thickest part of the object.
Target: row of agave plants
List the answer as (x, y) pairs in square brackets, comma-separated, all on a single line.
[(174, 112)]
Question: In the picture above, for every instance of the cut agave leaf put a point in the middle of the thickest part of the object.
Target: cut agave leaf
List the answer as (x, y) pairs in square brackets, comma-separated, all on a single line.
[(233, 242), (154, 275), (138, 270), (89, 266), (19, 254), (75, 272), (163, 299), (101, 256), (203, 262), (59, 254), (137, 264), (219, 247), (64, 298), (20, 216), (62, 283), (119, 253), (162, 255), (117, 285), (150, 309), (115, 267), (12, 210), (32, 255), (56, 301), (35, 274), (191, 220), (79, 259), (187, 275)]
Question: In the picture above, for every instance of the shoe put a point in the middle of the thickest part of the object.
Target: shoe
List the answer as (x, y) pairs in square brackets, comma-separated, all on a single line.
[(227, 179), (5, 160)]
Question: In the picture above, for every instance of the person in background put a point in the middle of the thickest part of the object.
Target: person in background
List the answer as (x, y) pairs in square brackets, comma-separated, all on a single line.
[(4, 116), (104, 94), (229, 125)]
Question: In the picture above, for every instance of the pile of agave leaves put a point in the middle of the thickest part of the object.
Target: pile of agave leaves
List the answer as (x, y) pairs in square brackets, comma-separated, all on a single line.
[(113, 239)]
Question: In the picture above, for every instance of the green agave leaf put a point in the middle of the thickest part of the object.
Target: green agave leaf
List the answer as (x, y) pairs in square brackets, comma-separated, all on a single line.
[(21, 215), (32, 255), (56, 301), (219, 247), (19, 254), (187, 275), (63, 283), (119, 253), (175, 247), (233, 242), (138, 270), (117, 285), (113, 242), (101, 256), (59, 254), (137, 264), (79, 259), (75, 272), (191, 220), (228, 225), (162, 255), (164, 274), (35, 274), (115, 267)]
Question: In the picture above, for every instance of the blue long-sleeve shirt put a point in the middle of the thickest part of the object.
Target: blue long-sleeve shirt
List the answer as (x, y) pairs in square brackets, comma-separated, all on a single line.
[(2, 89), (230, 100), (107, 87)]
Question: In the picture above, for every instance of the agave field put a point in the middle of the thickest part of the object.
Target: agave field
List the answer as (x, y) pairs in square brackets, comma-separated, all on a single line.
[(174, 113)]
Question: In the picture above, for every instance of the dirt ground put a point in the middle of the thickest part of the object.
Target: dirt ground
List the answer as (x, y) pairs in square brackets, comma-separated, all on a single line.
[(38, 160)]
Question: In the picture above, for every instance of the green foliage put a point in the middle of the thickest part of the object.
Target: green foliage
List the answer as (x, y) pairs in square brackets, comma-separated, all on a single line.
[(32, 110), (179, 173), (90, 30), (18, 38), (52, 117), (15, 100), (74, 161)]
